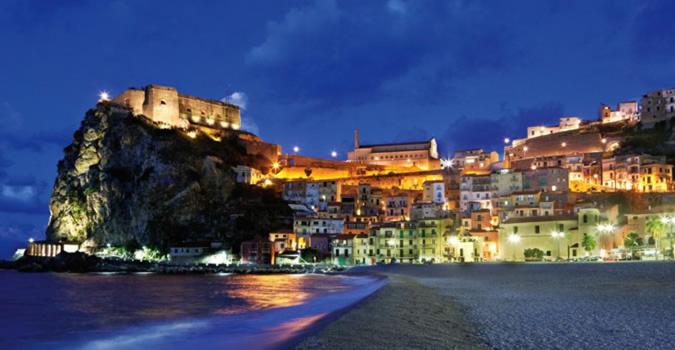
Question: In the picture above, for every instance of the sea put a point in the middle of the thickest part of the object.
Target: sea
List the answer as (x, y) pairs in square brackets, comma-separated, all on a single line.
[(153, 311)]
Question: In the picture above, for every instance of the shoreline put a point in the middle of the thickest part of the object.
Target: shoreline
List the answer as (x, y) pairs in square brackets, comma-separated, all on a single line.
[(402, 314)]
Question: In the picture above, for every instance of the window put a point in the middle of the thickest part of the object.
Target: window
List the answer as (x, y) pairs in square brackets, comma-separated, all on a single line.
[(536, 229), (561, 227), (585, 218), (515, 229)]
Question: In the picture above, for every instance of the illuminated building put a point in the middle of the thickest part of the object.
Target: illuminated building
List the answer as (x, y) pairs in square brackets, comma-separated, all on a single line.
[(341, 250), (640, 173), (566, 123), (476, 189), (257, 251), (434, 191), (304, 192), (505, 181), (546, 179), (474, 161), (558, 236), (247, 175), (284, 240), (421, 155), (362, 249), (625, 111)]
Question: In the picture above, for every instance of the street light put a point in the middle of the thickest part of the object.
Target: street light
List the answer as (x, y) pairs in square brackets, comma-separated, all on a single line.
[(453, 240), (333, 154), (31, 240), (296, 149), (103, 96), (506, 140)]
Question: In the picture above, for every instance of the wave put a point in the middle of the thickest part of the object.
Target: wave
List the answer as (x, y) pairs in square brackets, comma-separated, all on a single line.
[(260, 329)]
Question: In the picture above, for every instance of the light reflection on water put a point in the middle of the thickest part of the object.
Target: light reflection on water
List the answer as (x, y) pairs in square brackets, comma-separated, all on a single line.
[(38, 307)]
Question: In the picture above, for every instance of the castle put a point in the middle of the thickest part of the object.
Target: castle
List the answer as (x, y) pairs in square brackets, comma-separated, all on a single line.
[(168, 108)]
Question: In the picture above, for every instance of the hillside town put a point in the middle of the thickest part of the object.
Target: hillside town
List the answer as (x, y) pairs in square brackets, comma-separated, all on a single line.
[(581, 190)]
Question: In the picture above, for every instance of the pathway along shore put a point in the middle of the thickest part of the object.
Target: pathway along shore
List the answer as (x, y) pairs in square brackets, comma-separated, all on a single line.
[(402, 315)]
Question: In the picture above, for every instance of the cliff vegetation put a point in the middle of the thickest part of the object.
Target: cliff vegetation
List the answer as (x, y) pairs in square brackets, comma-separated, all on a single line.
[(123, 181)]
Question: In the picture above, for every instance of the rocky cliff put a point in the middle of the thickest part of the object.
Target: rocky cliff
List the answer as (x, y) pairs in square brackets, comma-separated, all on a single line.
[(123, 180)]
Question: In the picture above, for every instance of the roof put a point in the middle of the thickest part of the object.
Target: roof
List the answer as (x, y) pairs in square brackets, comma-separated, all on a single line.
[(522, 220), (411, 143), (192, 245), (344, 236), (526, 192)]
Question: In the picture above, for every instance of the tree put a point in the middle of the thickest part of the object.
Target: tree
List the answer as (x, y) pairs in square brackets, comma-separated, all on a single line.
[(654, 227), (632, 241), (533, 254), (588, 242)]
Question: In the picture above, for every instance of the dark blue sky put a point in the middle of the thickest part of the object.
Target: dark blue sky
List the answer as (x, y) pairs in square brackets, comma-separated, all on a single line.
[(467, 72)]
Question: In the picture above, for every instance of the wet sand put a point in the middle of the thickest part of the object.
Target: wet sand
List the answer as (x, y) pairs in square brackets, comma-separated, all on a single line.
[(402, 315), (511, 306)]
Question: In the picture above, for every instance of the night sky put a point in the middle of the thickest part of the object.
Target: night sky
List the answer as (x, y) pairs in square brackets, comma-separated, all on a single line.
[(307, 73)]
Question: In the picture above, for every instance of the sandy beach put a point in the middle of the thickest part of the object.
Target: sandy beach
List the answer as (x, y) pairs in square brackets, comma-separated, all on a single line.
[(511, 306), (404, 314)]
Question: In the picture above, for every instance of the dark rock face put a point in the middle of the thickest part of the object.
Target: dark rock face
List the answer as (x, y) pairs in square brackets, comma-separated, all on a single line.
[(123, 179)]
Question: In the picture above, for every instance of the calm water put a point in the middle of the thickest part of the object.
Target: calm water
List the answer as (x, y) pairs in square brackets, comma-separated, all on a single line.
[(93, 311)]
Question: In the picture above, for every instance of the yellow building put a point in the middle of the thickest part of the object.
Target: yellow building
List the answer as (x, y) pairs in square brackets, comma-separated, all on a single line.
[(641, 173), (557, 236), (418, 241)]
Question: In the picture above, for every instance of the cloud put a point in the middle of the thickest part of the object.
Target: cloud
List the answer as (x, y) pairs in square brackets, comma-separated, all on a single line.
[(250, 125), (325, 55), (20, 193), (237, 98), (24, 195), (397, 7), (489, 132)]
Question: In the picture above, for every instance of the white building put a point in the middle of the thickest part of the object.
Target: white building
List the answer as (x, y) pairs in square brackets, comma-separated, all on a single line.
[(305, 192), (475, 191), (566, 123), (247, 175), (434, 191)]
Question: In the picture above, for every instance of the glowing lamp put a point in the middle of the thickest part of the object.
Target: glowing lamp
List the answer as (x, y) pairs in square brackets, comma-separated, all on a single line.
[(554, 188), (506, 140), (453, 240), (224, 124), (604, 140), (103, 96), (564, 144), (514, 238), (235, 126), (333, 154), (31, 240), (296, 149), (525, 148)]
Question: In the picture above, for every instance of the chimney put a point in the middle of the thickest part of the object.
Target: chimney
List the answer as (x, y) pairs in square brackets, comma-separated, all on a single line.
[(356, 138)]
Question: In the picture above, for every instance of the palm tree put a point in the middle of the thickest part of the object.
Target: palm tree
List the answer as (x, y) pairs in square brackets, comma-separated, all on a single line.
[(632, 241), (655, 228)]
